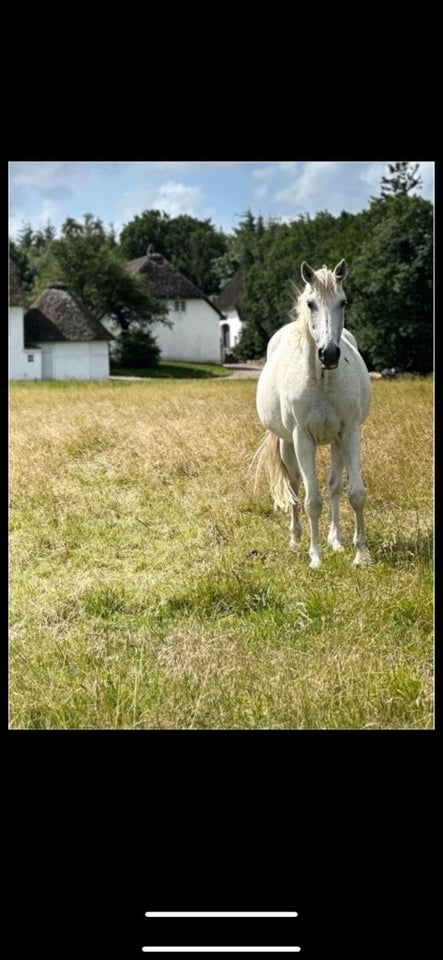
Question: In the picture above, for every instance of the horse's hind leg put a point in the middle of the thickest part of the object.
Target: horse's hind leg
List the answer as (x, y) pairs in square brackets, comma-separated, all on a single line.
[(335, 487), (287, 454)]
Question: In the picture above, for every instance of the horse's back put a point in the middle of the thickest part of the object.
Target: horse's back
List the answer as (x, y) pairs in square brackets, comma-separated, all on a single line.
[(284, 334), (349, 337)]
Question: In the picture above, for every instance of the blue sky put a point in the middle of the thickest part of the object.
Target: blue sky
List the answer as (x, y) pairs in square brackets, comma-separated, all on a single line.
[(116, 191)]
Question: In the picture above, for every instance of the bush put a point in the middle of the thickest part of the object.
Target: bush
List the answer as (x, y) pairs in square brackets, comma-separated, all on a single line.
[(136, 348)]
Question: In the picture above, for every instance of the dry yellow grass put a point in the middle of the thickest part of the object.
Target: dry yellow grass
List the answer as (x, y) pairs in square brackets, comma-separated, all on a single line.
[(150, 587)]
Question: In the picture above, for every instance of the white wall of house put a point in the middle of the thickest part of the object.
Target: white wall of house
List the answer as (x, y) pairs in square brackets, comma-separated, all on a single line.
[(194, 335), (54, 361), (77, 361), (235, 326), (16, 341), (23, 364)]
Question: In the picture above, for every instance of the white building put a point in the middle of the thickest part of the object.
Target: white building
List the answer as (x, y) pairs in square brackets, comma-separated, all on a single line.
[(24, 359), (228, 303), (57, 339), (193, 331)]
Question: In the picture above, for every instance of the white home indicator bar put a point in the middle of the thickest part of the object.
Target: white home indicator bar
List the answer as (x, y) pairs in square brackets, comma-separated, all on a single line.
[(207, 913), (221, 949)]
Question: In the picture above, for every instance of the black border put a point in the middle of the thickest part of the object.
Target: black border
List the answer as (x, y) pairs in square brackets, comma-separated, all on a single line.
[(338, 825)]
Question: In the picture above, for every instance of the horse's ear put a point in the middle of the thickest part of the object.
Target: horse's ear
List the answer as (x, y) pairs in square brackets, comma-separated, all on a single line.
[(341, 270), (307, 272)]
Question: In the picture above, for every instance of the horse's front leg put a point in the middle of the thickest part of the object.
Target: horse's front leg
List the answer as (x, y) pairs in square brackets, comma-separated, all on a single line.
[(335, 487), (305, 452), (357, 494), (287, 454)]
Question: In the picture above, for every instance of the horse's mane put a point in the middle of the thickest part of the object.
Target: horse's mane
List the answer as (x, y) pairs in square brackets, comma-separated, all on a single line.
[(325, 281)]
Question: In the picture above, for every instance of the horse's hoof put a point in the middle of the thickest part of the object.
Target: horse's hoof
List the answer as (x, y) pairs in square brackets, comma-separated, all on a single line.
[(294, 544), (335, 545), (315, 562), (362, 559)]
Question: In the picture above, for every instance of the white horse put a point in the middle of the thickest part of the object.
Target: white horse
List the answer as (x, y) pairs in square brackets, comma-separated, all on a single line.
[(315, 389)]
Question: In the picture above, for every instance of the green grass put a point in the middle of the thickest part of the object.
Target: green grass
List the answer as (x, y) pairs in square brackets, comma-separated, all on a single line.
[(150, 587), (174, 371)]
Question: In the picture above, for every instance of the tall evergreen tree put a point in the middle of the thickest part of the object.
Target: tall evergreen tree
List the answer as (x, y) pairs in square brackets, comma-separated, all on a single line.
[(401, 180)]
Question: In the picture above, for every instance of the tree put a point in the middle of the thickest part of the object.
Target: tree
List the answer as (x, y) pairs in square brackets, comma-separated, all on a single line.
[(144, 230), (224, 267), (401, 180), (390, 285), (271, 254), (190, 244), (86, 260), (257, 299), (22, 261), (29, 253)]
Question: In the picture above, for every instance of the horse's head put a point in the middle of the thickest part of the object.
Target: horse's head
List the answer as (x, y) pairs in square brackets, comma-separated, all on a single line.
[(325, 302)]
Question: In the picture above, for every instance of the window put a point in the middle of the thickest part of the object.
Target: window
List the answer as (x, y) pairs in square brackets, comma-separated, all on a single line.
[(30, 358), (179, 305), (183, 304)]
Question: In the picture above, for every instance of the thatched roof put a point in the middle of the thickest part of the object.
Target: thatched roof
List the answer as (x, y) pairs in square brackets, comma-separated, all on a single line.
[(231, 293), (15, 290), (165, 281), (56, 316)]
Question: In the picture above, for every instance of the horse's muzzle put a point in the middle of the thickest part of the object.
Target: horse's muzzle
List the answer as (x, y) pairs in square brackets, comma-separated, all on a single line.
[(329, 357)]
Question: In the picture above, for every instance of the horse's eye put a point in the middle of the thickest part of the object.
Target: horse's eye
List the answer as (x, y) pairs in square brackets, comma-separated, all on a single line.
[(344, 303), (311, 304)]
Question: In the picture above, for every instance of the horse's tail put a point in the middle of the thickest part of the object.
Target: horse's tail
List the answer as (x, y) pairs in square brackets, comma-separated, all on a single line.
[(267, 459)]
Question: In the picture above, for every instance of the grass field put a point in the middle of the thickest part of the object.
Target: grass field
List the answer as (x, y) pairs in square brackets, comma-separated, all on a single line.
[(150, 587), (165, 370)]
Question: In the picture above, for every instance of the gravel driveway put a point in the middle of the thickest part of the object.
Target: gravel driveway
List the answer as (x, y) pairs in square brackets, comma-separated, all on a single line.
[(246, 371)]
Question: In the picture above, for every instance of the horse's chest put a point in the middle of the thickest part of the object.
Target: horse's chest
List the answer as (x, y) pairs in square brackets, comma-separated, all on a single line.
[(323, 424), (321, 418)]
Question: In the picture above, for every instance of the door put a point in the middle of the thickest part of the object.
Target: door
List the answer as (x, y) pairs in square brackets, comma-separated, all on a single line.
[(46, 364)]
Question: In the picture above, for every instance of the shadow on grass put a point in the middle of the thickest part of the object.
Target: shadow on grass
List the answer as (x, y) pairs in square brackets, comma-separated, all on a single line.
[(173, 371), (420, 548)]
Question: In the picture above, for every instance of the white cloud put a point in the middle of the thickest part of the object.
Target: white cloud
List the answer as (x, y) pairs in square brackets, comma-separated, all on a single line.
[(261, 192), (42, 190), (189, 165), (427, 171), (305, 191), (289, 166), (273, 169), (135, 201), (44, 175), (177, 198), (371, 176), (264, 173), (171, 197), (48, 211)]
